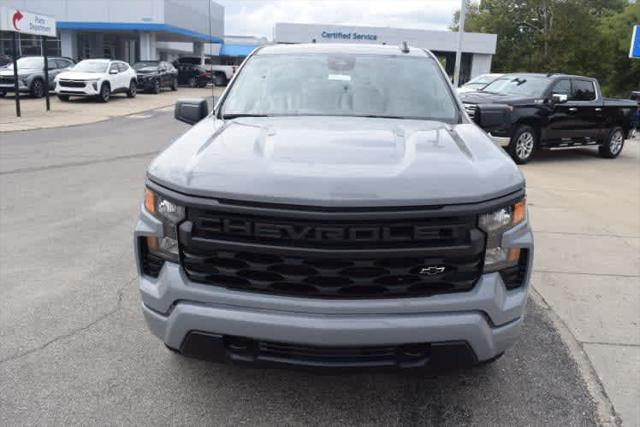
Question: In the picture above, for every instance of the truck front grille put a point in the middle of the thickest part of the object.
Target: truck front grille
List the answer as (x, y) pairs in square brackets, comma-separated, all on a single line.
[(332, 258), (6, 80), (72, 83)]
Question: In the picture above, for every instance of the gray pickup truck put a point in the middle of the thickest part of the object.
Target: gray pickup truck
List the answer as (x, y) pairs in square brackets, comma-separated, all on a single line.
[(337, 209)]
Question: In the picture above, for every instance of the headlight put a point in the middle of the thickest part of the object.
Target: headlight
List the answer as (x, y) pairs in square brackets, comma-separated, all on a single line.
[(171, 214), (495, 224)]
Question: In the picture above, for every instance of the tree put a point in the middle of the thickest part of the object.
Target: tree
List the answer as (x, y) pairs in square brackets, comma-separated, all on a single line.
[(571, 36)]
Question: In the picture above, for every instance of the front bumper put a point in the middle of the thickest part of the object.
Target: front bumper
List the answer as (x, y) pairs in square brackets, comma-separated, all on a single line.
[(87, 90), (502, 141), (9, 87), (487, 319)]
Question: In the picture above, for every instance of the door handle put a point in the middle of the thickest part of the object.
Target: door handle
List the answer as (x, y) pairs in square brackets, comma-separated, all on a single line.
[(598, 109), (573, 109)]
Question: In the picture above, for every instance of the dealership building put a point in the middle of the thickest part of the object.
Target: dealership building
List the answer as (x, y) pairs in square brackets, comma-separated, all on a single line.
[(130, 30), (477, 48), (134, 30)]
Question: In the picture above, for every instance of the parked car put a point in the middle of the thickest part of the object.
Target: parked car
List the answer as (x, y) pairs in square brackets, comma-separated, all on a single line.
[(220, 74), (154, 75), (5, 59), (192, 75), (326, 216), (479, 82), (31, 76), (526, 112), (99, 78)]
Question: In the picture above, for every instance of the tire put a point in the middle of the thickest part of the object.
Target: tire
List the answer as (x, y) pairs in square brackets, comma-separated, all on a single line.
[(523, 144), (37, 88), (2, 93), (105, 93), (191, 82), (63, 98), (156, 87), (613, 145), (174, 85), (133, 89)]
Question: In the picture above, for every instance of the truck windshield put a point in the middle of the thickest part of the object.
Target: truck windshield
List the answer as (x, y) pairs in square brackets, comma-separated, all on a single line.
[(341, 85), (523, 85)]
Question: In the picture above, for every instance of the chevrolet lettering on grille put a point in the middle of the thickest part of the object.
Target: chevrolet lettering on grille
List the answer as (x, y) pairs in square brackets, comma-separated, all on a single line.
[(326, 233)]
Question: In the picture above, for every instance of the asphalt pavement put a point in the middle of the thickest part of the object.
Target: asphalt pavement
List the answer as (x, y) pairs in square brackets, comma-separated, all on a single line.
[(74, 348)]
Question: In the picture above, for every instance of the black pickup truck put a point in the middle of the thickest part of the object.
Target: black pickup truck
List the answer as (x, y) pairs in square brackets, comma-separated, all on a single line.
[(525, 112)]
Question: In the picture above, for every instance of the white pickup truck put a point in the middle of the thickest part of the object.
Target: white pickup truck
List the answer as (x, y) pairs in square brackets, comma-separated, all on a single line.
[(220, 74)]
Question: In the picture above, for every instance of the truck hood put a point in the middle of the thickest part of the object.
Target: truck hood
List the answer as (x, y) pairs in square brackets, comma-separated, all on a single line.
[(337, 161), (480, 97), (77, 75)]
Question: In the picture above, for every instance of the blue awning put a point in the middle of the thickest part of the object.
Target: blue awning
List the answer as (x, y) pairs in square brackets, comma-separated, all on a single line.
[(237, 49)]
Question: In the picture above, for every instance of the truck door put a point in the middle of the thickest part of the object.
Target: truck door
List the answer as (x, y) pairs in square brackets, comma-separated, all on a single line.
[(587, 109), (562, 123)]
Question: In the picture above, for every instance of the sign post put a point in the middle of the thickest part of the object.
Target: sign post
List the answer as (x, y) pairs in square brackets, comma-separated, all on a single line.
[(23, 22), (43, 40), (634, 50), (16, 86)]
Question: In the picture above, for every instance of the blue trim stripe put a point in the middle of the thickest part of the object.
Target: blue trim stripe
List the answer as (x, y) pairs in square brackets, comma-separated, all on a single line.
[(237, 49), (136, 26)]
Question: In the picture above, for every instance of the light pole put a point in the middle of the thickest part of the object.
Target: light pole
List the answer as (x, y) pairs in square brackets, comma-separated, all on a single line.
[(456, 72)]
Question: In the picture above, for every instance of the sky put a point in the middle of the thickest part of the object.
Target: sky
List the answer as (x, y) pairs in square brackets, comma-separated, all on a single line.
[(257, 17)]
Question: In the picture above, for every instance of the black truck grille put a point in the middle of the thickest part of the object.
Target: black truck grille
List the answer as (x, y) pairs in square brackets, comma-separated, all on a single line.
[(332, 258), (6, 80), (72, 83)]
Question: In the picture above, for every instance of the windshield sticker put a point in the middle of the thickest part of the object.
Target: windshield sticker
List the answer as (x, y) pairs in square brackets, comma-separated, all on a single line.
[(341, 77)]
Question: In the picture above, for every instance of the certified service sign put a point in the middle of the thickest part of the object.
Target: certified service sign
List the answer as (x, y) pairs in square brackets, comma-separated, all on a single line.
[(25, 22)]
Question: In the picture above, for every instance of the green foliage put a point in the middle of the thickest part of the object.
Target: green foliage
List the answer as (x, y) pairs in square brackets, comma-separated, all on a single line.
[(585, 37)]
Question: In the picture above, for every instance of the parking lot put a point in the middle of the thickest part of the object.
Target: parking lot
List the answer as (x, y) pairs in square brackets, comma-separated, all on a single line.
[(75, 348), (86, 110)]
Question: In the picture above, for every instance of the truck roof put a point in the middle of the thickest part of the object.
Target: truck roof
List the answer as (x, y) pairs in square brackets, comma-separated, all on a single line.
[(549, 75), (365, 49)]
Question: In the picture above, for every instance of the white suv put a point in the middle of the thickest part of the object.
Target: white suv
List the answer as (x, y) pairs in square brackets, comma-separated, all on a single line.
[(97, 77)]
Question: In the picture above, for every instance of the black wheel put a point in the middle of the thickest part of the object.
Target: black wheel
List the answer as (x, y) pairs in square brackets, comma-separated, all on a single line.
[(202, 84), (156, 87), (37, 88), (191, 82), (2, 93), (613, 145), (174, 85), (133, 90), (63, 98), (105, 93), (523, 143)]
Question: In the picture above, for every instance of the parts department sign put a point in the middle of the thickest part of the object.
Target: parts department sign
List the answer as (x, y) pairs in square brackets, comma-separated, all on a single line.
[(21, 21)]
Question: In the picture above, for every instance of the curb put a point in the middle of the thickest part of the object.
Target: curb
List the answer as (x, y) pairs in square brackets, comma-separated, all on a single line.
[(607, 414)]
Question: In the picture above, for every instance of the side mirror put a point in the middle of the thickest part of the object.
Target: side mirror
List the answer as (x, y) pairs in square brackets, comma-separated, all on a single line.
[(491, 116), (559, 98), (191, 110)]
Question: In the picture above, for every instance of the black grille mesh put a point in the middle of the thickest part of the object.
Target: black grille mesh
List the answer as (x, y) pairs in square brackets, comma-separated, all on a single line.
[(333, 268)]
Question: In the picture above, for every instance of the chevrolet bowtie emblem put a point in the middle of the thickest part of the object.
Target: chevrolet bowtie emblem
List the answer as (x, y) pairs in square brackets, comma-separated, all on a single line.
[(432, 270)]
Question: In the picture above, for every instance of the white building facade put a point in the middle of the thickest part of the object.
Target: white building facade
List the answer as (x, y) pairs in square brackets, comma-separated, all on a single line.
[(477, 48), (130, 30)]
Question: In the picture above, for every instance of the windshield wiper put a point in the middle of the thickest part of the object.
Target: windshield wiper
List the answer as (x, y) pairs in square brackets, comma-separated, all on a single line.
[(235, 116)]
